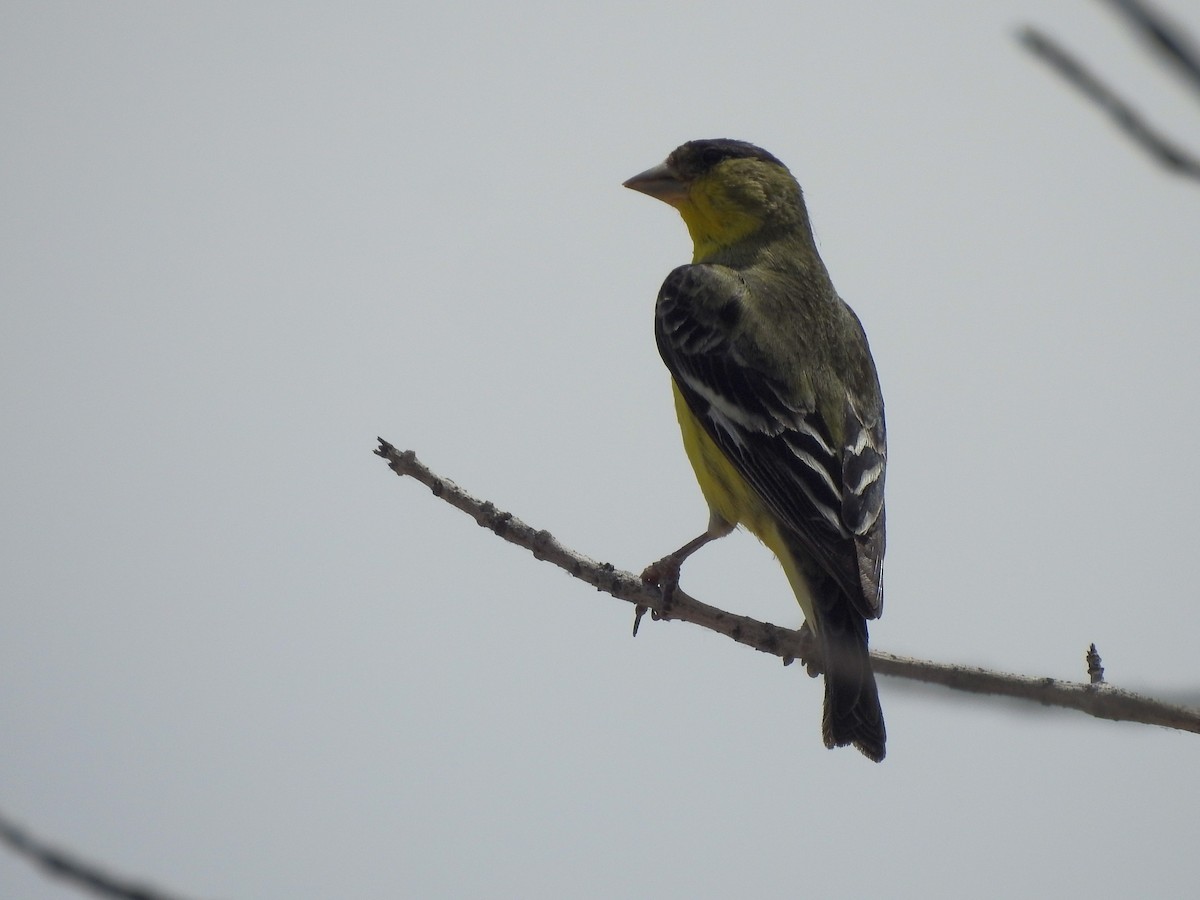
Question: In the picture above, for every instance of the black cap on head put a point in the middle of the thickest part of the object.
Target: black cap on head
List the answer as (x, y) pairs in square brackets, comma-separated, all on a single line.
[(696, 157)]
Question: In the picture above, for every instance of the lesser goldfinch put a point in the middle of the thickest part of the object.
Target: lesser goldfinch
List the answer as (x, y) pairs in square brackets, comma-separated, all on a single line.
[(779, 403)]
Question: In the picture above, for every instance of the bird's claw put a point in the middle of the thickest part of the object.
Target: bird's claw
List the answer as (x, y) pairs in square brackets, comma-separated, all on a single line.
[(663, 574), (809, 652), (638, 612)]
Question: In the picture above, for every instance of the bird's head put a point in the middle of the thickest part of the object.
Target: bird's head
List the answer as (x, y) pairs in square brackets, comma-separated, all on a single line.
[(727, 192)]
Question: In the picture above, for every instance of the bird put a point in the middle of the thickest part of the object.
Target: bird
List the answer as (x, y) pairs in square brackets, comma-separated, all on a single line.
[(779, 405)]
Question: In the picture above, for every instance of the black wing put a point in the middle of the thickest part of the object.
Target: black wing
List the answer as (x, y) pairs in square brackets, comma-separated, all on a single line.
[(828, 493)]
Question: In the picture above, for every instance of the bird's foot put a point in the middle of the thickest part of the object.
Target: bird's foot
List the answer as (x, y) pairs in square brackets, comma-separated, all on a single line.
[(664, 575), (809, 651)]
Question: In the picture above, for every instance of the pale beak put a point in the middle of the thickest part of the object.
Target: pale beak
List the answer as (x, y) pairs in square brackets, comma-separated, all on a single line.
[(662, 183)]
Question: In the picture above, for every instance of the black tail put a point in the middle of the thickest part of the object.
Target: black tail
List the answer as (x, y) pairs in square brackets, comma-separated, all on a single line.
[(852, 711)]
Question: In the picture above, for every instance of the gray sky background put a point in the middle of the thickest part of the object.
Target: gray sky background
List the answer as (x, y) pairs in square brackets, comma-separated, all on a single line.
[(241, 659)]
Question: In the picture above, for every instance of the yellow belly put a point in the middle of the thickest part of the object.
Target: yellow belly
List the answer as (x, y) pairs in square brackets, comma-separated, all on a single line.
[(731, 499)]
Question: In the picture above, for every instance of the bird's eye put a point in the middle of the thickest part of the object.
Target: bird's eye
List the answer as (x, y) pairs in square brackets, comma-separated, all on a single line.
[(711, 156)]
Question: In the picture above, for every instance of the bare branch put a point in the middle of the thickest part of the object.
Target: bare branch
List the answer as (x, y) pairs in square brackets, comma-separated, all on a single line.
[(1167, 153), (1167, 39), (1100, 700), (62, 864)]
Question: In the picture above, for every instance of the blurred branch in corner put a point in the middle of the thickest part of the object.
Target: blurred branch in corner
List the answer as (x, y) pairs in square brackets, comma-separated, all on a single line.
[(1168, 42)]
